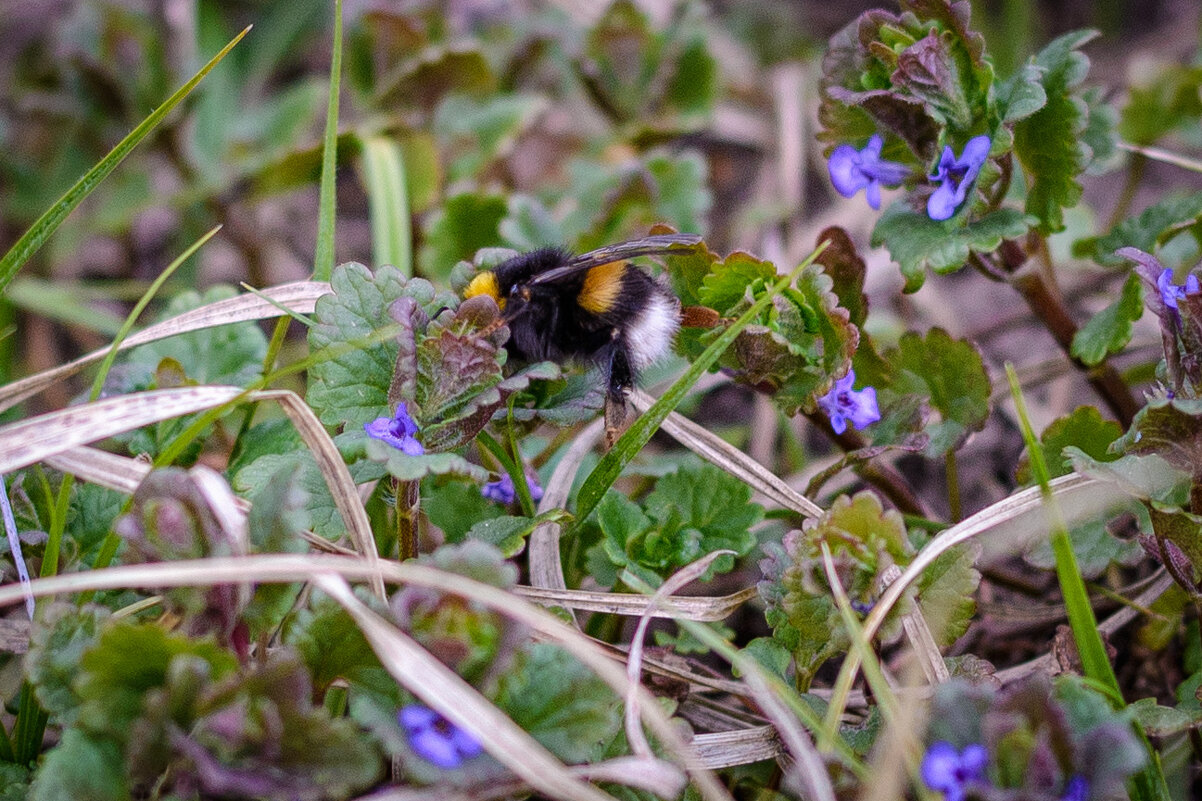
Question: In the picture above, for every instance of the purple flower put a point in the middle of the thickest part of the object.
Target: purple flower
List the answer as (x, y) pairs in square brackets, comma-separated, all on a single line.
[(956, 177), (950, 771), (398, 431), (844, 404), (1077, 789), (436, 739), (502, 491), (852, 170), (1170, 293)]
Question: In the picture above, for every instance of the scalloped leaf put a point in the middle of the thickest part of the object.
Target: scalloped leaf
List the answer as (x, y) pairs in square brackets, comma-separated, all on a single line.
[(1084, 429), (352, 387), (946, 376), (918, 243), (1049, 143), (1110, 330), (947, 593), (1171, 429), (1145, 231), (864, 539)]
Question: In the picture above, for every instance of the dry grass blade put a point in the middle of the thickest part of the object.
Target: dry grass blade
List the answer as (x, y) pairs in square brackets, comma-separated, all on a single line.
[(1010, 522), (809, 771), (726, 749), (31, 440), (650, 775), (299, 296), (634, 660), (705, 608), (120, 473), (721, 453), (443, 690), (334, 471), (546, 567), (278, 568), (914, 623)]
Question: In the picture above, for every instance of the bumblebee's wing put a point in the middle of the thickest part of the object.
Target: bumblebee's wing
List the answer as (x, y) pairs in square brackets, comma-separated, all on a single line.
[(659, 244)]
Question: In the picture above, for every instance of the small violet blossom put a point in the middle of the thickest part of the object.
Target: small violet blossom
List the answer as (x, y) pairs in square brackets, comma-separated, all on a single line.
[(1170, 293), (502, 491), (1077, 789), (845, 405), (951, 772), (852, 170), (399, 431), (956, 176), (436, 739)]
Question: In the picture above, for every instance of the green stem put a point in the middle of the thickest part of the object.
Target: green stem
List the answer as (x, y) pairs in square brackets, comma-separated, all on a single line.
[(406, 519), (952, 471)]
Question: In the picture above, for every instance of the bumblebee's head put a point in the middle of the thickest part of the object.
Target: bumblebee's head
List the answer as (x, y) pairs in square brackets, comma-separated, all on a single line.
[(485, 284)]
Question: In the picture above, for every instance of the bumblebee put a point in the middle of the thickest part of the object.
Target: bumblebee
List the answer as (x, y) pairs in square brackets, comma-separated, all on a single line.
[(596, 308)]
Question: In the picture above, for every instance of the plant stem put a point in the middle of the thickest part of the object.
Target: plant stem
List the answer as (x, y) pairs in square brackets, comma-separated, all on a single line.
[(875, 472), (406, 519), (1048, 306)]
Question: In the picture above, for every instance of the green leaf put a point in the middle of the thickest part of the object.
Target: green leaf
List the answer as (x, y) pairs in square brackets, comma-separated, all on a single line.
[(1109, 330), (1022, 94), (1049, 142), (560, 703), (734, 281), (435, 72), (1164, 721), (128, 661), (62, 634), (1171, 429), (45, 225), (1161, 101), (278, 514), (352, 387), (509, 533), (771, 655), (864, 540), (81, 767), (918, 243), (947, 374), (1093, 545), (228, 354), (475, 133), (465, 223), (404, 467), (330, 643), (847, 271), (1146, 231), (947, 593), (455, 506), (1084, 429)]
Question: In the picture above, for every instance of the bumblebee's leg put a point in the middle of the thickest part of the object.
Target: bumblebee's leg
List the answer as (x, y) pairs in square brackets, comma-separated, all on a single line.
[(621, 380)]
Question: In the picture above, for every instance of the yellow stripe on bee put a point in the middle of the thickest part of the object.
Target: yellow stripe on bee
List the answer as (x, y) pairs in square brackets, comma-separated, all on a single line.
[(601, 287), (485, 284)]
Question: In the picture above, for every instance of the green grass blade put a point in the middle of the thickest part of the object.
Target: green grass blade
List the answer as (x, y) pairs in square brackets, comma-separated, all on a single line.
[(323, 258), (631, 442), (1149, 784), (41, 230), (384, 176), (65, 302)]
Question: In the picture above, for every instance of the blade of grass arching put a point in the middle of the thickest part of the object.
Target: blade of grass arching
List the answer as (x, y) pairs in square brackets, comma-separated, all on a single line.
[(29, 727), (62, 302), (45, 225), (54, 537), (631, 442), (751, 670), (1149, 783), (323, 259), (384, 175)]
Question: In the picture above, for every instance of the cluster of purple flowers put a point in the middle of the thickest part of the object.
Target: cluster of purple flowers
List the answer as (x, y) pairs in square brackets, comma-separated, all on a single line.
[(845, 405), (503, 491), (399, 431), (852, 170), (1170, 293), (956, 773), (436, 739)]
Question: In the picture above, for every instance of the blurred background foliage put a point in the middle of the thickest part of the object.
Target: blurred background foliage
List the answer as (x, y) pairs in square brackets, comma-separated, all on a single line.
[(481, 122)]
